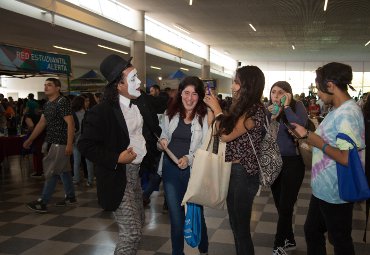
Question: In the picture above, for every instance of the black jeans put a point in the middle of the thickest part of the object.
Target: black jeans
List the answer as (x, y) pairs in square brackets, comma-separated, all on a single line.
[(242, 190), (336, 219), (285, 191)]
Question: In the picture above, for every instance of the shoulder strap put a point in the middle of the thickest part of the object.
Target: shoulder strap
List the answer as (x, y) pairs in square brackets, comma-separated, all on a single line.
[(346, 138), (254, 150)]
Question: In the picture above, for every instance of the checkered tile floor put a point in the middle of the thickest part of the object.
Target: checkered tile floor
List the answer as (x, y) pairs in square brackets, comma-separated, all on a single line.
[(86, 229)]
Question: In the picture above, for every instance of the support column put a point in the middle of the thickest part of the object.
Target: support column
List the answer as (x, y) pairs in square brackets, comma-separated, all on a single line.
[(138, 50), (206, 65)]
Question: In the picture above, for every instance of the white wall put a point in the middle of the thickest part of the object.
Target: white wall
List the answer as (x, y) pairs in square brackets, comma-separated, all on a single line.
[(11, 86)]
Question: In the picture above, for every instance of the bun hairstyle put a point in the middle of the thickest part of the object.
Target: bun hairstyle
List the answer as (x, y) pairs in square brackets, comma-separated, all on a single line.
[(338, 73)]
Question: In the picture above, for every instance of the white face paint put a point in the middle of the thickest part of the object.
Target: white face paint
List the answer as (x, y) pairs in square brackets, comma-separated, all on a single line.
[(133, 83)]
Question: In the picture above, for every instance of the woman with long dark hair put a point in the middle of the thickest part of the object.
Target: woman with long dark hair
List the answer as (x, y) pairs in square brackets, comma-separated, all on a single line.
[(245, 118), (286, 187), (185, 126)]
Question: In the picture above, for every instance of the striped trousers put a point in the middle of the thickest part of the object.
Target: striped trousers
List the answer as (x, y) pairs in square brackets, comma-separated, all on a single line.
[(130, 215)]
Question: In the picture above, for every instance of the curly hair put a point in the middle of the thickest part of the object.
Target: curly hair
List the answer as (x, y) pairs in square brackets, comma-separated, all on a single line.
[(176, 105), (252, 83), (111, 91)]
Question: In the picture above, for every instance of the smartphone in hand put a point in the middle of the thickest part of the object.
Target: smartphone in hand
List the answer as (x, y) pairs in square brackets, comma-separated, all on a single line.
[(208, 89), (282, 100), (292, 131)]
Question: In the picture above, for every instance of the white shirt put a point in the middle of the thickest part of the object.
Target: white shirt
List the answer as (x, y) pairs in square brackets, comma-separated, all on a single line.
[(134, 122)]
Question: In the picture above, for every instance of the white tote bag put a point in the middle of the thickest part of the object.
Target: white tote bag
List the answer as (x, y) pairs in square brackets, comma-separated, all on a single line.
[(210, 175)]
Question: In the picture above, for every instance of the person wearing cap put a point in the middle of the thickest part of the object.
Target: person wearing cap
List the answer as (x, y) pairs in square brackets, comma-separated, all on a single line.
[(118, 137)]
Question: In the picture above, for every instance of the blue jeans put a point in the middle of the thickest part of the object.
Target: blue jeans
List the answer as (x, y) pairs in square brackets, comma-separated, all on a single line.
[(50, 184), (175, 182), (242, 190), (76, 166), (153, 184)]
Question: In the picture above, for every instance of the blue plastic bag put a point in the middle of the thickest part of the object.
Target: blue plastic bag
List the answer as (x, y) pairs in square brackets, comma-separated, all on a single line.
[(352, 183), (193, 225)]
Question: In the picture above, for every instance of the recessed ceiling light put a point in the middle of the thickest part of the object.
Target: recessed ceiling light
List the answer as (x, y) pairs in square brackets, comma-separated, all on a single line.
[(181, 28), (160, 78), (293, 47), (367, 43), (325, 5), (108, 48), (183, 68), (63, 48), (252, 27), (190, 2), (155, 67)]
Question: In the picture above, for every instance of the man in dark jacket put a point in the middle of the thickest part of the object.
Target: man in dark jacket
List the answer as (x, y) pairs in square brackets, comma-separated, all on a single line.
[(118, 136)]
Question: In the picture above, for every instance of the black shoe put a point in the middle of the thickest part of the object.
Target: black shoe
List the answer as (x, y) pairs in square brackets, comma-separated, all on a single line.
[(289, 245), (165, 208), (68, 201), (37, 175), (146, 201), (37, 206)]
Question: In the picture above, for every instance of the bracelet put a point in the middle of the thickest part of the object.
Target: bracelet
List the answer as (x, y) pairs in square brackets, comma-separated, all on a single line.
[(286, 106), (218, 114), (324, 147)]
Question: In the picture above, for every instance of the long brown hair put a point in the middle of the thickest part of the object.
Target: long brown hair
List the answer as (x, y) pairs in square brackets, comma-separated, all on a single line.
[(252, 83)]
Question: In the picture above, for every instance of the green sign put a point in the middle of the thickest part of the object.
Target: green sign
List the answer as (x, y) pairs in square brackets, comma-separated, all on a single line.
[(27, 61)]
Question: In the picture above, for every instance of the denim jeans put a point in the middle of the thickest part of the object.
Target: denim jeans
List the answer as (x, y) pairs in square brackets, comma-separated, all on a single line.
[(336, 219), (242, 190), (153, 184), (77, 163), (50, 184), (175, 182), (285, 192)]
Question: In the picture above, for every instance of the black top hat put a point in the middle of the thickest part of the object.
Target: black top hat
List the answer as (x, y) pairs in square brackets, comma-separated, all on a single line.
[(112, 66)]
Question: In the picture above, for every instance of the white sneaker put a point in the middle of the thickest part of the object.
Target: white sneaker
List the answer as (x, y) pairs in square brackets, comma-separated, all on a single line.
[(279, 251)]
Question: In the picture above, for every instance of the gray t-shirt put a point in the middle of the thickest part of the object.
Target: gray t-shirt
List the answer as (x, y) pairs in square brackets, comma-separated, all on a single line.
[(56, 127)]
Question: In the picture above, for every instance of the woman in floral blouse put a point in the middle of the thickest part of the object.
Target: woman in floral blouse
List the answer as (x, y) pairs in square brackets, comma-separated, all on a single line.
[(245, 117)]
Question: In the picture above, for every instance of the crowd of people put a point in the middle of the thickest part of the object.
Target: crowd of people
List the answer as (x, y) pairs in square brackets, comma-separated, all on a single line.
[(124, 134)]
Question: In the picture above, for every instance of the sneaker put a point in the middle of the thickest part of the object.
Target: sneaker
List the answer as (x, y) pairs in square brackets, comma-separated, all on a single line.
[(289, 245), (76, 182), (89, 184), (67, 202), (37, 206), (279, 251), (37, 175)]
